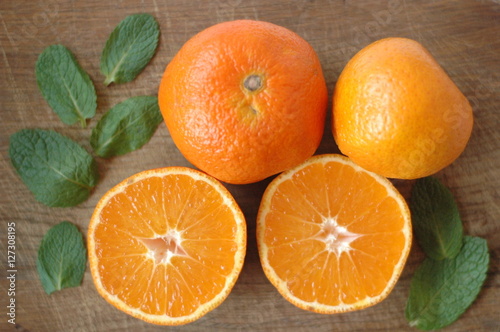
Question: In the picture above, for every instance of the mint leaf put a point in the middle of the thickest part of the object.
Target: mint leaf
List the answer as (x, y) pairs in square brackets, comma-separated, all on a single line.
[(61, 258), (57, 170), (126, 127), (436, 220), (441, 291), (129, 48), (65, 85)]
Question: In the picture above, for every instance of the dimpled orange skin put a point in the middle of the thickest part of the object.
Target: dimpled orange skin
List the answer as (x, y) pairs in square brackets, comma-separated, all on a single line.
[(244, 100), (397, 113)]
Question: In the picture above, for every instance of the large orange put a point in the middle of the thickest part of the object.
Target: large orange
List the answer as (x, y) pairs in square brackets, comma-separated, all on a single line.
[(333, 237), (166, 245), (244, 100), (397, 113)]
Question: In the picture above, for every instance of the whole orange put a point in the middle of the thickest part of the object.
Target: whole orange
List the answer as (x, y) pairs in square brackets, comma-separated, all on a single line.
[(397, 113), (244, 100)]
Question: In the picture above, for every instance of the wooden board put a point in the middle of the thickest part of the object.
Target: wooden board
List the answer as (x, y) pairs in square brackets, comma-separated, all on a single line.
[(462, 35)]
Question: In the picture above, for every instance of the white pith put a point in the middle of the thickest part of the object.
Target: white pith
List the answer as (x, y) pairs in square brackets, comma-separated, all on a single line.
[(337, 238), (161, 248)]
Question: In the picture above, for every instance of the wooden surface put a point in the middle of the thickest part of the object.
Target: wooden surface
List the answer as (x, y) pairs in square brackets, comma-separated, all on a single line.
[(462, 35)]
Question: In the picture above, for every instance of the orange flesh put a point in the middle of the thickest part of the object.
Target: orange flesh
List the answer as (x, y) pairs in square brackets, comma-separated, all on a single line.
[(163, 249), (331, 242)]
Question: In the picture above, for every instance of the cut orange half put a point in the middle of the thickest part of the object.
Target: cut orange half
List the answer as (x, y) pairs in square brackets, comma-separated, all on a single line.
[(166, 245), (333, 237)]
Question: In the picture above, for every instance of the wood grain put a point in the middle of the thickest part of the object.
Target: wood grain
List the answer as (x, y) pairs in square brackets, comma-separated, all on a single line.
[(462, 35)]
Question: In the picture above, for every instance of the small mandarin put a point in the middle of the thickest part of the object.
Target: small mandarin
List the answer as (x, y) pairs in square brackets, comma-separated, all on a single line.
[(397, 113)]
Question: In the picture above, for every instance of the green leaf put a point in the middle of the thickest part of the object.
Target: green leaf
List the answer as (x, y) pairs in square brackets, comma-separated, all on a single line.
[(441, 291), (65, 85), (129, 48), (435, 218), (126, 127), (57, 170), (61, 258)]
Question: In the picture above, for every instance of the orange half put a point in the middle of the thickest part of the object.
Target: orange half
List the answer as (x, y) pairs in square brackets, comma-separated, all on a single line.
[(333, 237), (166, 245)]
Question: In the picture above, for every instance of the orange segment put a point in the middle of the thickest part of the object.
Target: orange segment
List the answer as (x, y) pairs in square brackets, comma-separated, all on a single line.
[(333, 237), (166, 245)]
